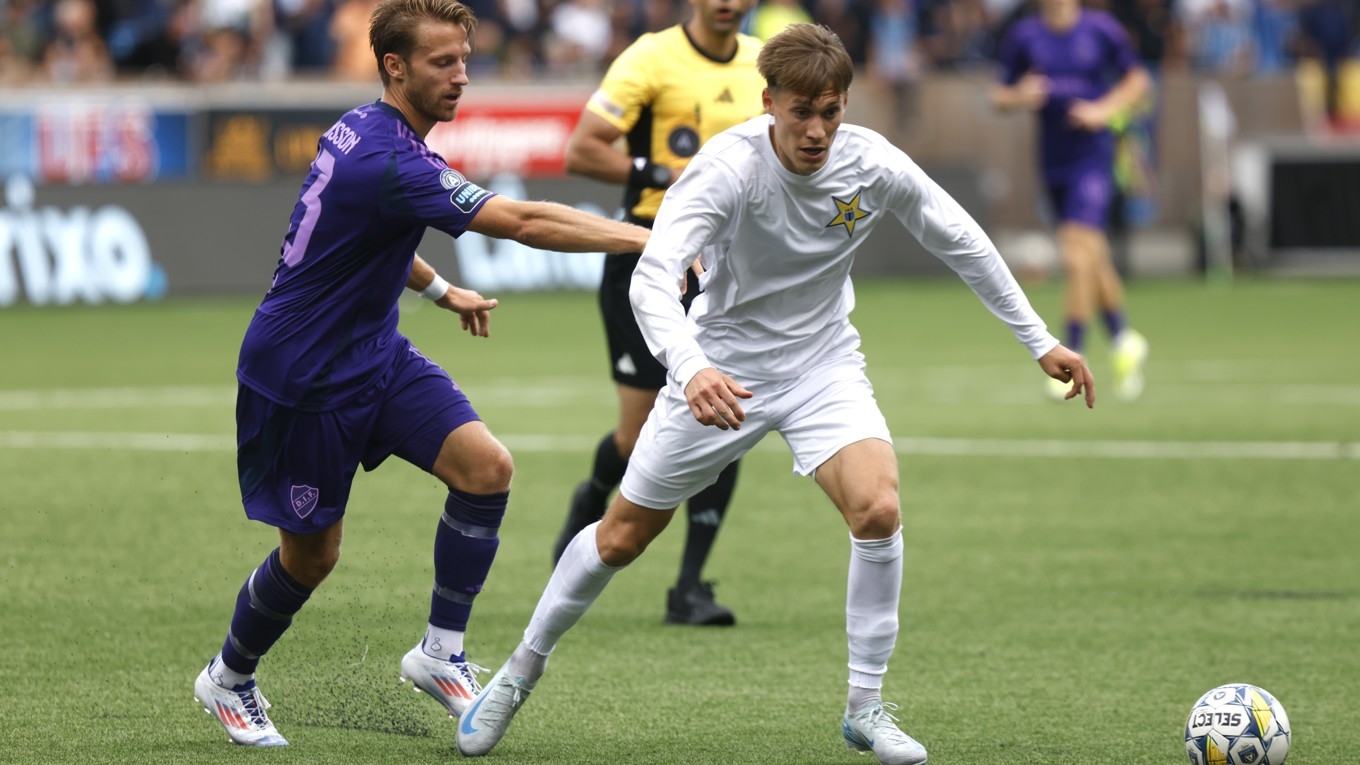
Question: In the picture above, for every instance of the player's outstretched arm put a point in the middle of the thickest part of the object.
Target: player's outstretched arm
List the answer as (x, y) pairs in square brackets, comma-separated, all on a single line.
[(556, 227), (1067, 365), (471, 307)]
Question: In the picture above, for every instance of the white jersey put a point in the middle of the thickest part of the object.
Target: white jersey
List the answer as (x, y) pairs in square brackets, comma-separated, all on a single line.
[(777, 248)]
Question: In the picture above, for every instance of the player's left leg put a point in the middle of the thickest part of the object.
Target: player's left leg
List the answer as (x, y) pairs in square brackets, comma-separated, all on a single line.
[(861, 479), (838, 434), (426, 420)]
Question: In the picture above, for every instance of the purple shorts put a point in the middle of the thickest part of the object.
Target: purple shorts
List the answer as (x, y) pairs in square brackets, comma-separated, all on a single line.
[(1082, 195), (296, 467)]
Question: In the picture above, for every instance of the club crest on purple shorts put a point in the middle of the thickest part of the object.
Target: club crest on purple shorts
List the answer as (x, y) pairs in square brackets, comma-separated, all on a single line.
[(303, 499)]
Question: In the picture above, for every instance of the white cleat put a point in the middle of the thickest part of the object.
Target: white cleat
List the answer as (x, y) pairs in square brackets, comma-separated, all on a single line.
[(241, 710), (485, 722), (451, 683), (874, 729)]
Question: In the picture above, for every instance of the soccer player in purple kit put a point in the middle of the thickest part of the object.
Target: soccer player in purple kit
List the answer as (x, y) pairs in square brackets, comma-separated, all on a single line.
[(327, 383), (1076, 68)]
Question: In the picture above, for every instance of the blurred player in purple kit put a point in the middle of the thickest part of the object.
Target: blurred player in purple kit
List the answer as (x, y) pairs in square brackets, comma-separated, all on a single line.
[(327, 383), (1076, 68)]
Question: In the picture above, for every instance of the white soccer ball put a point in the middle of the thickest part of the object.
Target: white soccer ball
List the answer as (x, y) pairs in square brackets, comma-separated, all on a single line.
[(1237, 724)]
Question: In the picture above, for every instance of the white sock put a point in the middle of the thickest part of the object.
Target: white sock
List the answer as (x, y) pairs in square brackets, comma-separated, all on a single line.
[(226, 676), (440, 643), (860, 698), (873, 590), (577, 581)]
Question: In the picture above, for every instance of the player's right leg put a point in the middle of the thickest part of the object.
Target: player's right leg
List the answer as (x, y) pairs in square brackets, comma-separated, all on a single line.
[(264, 610), (295, 470), (579, 578), (675, 456)]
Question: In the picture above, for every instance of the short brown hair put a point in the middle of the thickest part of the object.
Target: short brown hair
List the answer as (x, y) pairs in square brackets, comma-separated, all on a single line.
[(392, 26), (806, 59)]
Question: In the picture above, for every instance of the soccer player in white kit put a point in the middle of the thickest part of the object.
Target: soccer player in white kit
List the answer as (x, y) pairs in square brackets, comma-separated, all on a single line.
[(774, 209)]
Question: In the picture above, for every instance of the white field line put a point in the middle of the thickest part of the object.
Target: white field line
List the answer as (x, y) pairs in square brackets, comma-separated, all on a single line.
[(981, 386), (935, 447)]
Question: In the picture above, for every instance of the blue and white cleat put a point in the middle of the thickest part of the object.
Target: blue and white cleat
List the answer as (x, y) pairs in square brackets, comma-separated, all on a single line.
[(241, 710), (874, 729), (485, 722), (451, 683)]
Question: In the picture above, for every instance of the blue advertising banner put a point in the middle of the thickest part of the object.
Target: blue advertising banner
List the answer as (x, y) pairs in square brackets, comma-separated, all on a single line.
[(92, 142)]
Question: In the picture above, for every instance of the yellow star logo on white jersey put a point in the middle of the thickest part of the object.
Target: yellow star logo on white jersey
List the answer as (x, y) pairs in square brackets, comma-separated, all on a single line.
[(847, 213)]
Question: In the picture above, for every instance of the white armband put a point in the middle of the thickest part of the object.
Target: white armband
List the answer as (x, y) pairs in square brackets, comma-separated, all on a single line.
[(436, 289)]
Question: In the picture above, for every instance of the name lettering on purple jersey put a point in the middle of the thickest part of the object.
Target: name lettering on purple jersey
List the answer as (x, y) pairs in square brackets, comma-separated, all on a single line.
[(342, 137)]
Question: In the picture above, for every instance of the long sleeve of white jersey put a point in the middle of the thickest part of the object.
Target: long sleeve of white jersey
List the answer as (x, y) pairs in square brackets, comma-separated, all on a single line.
[(778, 250), (680, 234), (949, 233)]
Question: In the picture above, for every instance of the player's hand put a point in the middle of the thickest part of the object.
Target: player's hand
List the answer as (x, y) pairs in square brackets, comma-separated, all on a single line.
[(471, 307), (712, 398), (1031, 91), (1069, 366), (1089, 115), (698, 268)]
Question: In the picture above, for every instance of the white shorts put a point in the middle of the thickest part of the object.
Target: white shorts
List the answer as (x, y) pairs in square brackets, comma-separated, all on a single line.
[(818, 413)]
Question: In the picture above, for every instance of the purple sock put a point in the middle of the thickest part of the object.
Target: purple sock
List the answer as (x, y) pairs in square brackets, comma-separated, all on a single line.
[(1114, 321), (464, 547), (1076, 334), (264, 610)]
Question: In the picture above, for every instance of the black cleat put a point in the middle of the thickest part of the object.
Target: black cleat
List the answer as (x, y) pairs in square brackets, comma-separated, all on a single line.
[(581, 514), (695, 606)]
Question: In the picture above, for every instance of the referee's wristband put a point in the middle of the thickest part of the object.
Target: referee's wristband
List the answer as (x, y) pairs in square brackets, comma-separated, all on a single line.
[(436, 289), (647, 174)]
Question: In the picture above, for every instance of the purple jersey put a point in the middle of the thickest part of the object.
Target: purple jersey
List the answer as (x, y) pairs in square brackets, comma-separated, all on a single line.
[(1082, 63), (327, 328)]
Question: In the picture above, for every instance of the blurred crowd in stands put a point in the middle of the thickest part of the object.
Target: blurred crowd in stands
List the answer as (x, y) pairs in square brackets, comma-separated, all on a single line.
[(895, 41)]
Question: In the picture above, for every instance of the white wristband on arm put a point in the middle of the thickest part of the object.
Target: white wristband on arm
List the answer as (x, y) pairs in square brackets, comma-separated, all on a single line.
[(436, 289)]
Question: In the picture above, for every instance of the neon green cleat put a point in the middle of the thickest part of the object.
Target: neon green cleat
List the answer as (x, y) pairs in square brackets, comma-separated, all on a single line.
[(1130, 355), (1056, 389)]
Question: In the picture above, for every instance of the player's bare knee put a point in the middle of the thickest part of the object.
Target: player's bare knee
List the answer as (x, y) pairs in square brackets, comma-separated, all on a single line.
[(487, 472), (310, 567), (495, 472), (879, 519), (621, 543), (619, 549)]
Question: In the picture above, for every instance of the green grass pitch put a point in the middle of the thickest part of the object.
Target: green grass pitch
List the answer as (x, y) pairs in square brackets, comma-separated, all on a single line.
[(1074, 579)]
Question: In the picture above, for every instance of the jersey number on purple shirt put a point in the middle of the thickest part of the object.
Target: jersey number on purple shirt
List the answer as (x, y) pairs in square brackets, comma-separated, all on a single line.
[(294, 252)]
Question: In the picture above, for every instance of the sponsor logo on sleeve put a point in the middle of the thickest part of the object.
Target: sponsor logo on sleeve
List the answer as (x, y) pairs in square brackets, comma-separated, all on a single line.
[(468, 196)]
